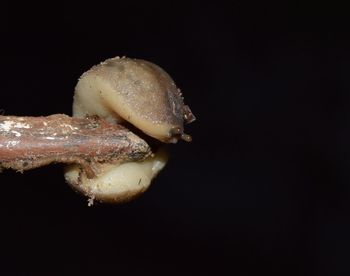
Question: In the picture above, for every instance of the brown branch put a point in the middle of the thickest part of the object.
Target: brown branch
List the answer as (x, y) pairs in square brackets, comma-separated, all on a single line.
[(31, 142)]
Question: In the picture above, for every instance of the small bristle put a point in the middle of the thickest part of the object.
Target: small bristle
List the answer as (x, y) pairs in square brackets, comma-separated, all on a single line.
[(186, 137), (175, 131)]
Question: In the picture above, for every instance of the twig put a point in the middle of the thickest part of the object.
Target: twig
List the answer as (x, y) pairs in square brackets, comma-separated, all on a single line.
[(31, 142)]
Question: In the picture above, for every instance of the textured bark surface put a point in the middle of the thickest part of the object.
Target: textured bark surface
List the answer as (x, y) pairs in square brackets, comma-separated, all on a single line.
[(31, 142)]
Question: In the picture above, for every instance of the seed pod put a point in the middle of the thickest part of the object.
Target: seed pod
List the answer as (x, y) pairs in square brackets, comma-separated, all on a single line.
[(136, 92)]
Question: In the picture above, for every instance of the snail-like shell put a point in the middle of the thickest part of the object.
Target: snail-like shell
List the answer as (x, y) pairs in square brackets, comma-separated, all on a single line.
[(136, 91), (142, 94)]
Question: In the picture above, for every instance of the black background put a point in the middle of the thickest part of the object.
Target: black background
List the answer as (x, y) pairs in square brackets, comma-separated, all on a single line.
[(263, 188)]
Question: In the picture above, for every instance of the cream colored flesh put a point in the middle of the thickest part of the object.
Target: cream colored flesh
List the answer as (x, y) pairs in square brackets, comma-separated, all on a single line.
[(117, 183), (92, 97)]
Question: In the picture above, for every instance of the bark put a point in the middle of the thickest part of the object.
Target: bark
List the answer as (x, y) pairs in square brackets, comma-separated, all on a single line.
[(31, 142)]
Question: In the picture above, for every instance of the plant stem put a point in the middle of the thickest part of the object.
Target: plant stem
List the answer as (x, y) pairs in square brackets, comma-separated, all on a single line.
[(31, 142)]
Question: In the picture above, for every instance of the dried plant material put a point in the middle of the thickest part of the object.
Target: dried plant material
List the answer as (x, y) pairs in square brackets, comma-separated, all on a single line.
[(31, 142)]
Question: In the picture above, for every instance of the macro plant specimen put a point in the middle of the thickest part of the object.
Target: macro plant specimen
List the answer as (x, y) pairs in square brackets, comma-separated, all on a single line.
[(124, 112)]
